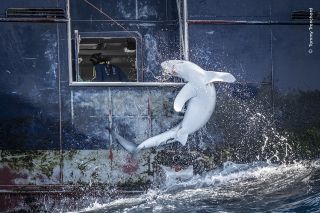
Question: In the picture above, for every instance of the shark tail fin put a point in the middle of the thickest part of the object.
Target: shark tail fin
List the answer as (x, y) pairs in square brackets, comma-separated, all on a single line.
[(212, 76), (165, 137), (127, 145), (182, 138)]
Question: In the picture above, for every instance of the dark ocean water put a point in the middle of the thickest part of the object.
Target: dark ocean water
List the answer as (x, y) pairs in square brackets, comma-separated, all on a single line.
[(255, 187)]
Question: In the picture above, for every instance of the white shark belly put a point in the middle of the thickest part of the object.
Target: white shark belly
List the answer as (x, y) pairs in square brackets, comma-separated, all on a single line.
[(199, 111), (200, 96)]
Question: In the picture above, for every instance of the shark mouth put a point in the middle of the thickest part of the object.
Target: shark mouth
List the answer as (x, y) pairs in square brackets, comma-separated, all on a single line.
[(167, 73)]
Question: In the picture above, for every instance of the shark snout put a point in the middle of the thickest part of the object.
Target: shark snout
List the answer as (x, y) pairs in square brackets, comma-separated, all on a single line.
[(169, 68)]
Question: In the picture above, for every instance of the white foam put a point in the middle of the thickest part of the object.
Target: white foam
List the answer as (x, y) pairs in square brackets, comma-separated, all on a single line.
[(231, 181)]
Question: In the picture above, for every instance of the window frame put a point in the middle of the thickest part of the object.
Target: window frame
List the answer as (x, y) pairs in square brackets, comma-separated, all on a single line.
[(73, 75), (73, 54)]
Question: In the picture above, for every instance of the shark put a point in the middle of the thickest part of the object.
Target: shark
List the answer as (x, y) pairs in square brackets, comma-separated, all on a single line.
[(198, 95)]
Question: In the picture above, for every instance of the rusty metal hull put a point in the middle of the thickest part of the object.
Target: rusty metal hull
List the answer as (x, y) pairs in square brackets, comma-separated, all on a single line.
[(54, 147)]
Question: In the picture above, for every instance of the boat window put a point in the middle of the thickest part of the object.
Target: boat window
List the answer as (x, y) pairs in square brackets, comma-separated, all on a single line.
[(105, 59)]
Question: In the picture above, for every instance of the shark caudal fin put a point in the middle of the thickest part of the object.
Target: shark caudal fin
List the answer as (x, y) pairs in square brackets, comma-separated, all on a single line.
[(182, 138), (212, 76), (127, 145), (166, 137)]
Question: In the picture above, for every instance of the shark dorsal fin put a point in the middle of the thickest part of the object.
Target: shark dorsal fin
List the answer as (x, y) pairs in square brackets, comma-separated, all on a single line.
[(183, 96), (212, 76)]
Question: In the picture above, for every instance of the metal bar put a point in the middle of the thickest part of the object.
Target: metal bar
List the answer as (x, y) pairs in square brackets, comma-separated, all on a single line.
[(186, 36), (181, 32), (60, 108), (76, 54), (234, 22), (40, 20), (69, 40), (126, 84), (272, 72), (117, 53), (69, 55), (110, 119), (144, 84), (139, 58), (53, 189), (131, 22), (137, 9)]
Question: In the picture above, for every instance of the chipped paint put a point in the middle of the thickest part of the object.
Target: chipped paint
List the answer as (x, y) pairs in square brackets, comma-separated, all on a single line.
[(131, 166), (51, 54), (125, 10), (31, 167), (147, 11), (145, 25), (93, 167)]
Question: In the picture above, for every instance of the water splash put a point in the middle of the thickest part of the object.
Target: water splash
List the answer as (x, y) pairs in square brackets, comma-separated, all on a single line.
[(163, 77), (257, 186)]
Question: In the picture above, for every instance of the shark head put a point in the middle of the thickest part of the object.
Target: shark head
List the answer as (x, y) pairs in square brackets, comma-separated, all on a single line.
[(191, 72), (182, 69)]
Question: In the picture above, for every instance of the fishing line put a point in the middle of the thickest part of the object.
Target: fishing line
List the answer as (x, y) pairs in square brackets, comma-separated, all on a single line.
[(106, 15)]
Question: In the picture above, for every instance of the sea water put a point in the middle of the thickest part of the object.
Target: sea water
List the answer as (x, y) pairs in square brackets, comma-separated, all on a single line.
[(270, 184), (253, 187)]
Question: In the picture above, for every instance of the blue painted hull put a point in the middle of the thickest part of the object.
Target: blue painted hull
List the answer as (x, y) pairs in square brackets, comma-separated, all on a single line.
[(54, 134)]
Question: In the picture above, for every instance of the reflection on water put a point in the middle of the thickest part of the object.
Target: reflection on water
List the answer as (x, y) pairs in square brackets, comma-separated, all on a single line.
[(254, 187)]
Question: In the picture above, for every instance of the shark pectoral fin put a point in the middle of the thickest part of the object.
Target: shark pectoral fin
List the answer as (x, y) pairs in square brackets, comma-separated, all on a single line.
[(212, 76), (183, 96)]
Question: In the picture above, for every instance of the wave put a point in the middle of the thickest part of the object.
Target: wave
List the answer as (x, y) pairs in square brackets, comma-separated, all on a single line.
[(254, 187)]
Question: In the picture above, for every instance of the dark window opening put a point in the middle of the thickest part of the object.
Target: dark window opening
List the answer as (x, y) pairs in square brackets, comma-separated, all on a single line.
[(106, 59)]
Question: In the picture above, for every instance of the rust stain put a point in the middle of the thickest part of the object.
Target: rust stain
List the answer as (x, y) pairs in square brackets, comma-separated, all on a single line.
[(131, 165), (7, 176), (110, 153), (177, 167)]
